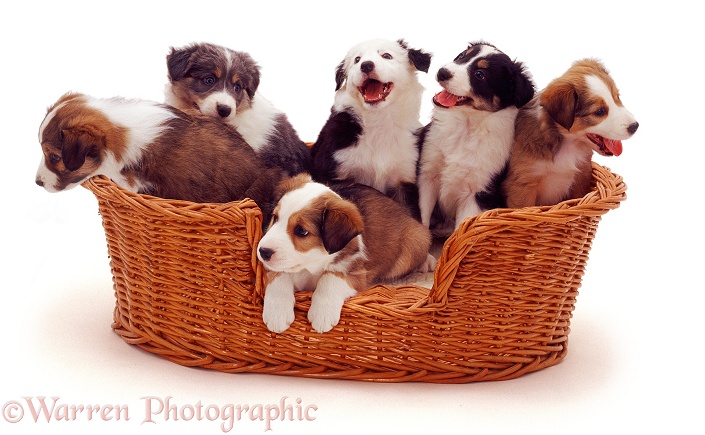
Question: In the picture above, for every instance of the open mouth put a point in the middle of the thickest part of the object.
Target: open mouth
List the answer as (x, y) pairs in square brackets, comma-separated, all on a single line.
[(446, 99), (606, 147), (374, 91)]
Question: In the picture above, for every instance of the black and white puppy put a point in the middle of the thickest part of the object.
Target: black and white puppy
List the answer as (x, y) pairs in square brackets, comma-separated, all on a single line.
[(222, 83), (369, 135), (465, 148)]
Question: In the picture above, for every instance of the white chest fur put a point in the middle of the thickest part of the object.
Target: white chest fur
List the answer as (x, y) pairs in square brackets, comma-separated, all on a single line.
[(467, 149), (257, 123), (384, 156), (562, 169)]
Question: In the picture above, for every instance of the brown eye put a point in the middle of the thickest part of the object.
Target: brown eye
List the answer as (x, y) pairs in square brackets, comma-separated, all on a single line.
[(387, 56), (601, 112), (357, 59), (299, 231), (54, 158), (480, 75)]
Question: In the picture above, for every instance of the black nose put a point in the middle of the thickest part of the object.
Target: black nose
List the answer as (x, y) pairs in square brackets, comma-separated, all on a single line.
[(443, 75), (266, 253), (367, 66), (632, 128), (223, 110), (39, 182)]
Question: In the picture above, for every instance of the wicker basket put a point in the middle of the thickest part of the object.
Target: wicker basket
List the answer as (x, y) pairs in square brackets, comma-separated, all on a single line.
[(189, 288)]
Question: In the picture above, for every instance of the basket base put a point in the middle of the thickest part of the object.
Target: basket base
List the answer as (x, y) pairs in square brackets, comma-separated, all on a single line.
[(457, 374)]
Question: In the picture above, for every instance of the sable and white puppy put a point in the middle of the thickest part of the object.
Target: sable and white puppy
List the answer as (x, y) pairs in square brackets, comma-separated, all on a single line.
[(335, 243), (369, 136), (465, 147), (222, 83), (577, 114), (149, 148)]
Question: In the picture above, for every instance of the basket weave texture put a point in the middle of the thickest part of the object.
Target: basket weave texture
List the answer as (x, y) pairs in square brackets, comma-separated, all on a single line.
[(189, 287)]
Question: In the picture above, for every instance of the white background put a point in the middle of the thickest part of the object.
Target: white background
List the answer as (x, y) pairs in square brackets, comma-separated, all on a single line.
[(634, 360)]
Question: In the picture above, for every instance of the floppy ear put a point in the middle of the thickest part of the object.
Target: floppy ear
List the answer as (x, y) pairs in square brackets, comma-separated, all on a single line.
[(253, 72), (178, 62), (560, 100), (252, 86), (340, 75), (421, 60), (524, 87), (77, 144), (341, 223)]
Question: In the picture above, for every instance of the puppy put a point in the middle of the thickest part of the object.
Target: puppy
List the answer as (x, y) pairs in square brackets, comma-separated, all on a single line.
[(149, 148), (465, 147), (335, 243), (222, 83), (577, 114), (369, 135)]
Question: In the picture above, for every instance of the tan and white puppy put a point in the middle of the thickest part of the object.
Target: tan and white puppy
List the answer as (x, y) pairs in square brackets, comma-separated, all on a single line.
[(150, 148), (335, 243), (557, 132)]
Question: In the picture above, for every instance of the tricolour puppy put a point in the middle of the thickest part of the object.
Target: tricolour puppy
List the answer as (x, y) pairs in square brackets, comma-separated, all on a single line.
[(577, 114), (369, 136), (222, 83), (465, 147), (335, 243), (149, 148)]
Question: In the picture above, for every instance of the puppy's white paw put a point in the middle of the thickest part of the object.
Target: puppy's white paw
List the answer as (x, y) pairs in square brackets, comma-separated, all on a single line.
[(278, 317), (327, 302), (278, 312), (324, 315)]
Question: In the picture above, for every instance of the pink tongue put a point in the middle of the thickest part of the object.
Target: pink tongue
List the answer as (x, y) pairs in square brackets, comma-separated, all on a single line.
[(374, 90), (446, 99), (615, 146)]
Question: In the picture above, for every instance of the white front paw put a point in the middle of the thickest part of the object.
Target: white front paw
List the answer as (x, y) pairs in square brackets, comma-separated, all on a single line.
[(324, 314), (278, 311), (278, 317), (327, 302)]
